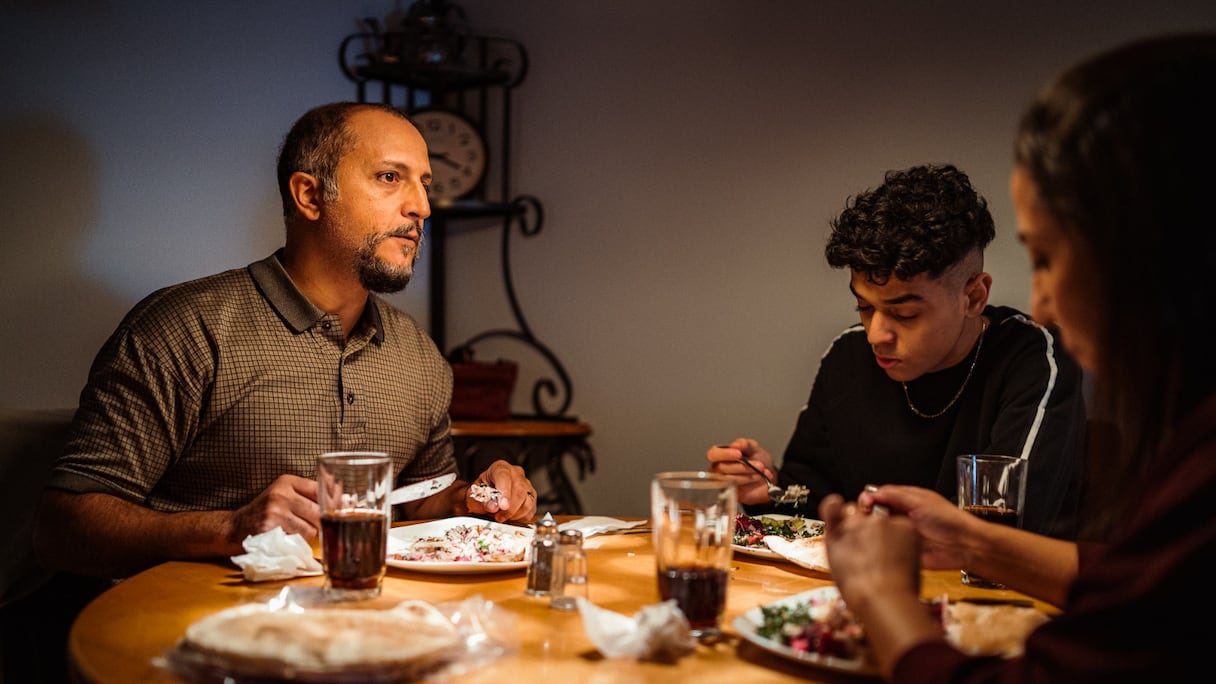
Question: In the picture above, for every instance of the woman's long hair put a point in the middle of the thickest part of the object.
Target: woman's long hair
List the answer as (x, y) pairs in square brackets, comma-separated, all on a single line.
[(1122, 148)]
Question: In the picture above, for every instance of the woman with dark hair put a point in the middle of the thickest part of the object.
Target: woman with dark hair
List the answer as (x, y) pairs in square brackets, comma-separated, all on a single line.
[(1112, 169)]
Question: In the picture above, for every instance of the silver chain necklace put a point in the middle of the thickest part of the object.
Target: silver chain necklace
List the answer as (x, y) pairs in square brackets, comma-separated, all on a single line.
[(957, 394)]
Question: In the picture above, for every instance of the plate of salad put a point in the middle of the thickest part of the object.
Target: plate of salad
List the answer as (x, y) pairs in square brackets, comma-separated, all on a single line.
[(816, 627), (813, 627), (750, 531)]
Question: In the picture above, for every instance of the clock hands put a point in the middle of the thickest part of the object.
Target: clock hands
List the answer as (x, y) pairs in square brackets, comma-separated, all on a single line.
[(444, 158), (456, 149)]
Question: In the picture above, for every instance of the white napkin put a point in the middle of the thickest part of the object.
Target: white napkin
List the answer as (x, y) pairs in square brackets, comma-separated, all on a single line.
[(276, 555), (658, 632), (595, 524)]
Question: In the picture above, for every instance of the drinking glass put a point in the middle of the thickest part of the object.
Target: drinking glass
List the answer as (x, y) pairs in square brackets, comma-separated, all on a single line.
[(693, 517), (352, 491), (991, 487)]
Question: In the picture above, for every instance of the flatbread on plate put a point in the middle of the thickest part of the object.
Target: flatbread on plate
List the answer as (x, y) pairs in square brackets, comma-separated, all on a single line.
[(990, 629), (810, 553)]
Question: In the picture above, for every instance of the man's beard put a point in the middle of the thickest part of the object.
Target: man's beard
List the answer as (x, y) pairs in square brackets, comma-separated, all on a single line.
[(378, 276)]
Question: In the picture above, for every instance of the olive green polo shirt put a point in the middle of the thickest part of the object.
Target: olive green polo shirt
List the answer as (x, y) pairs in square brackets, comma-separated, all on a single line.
[(211, 389)]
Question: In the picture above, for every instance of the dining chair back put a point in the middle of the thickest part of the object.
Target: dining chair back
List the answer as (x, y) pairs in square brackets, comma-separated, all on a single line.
[(30, 441)]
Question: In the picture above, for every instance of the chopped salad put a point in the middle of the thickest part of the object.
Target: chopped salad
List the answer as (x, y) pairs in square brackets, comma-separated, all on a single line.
[(468, 543), (751, 530), (822, 625), (794, 495)]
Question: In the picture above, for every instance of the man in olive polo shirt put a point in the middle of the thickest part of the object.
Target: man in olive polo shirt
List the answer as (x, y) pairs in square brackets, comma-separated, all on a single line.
[(205, 411)]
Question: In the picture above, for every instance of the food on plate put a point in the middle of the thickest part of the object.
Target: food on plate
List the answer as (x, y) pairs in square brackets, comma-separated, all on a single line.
[(823, 625), (794, 495), (750, 531), (269, 642), (485, 493), (468, 543), (809, 552), (999, 628)]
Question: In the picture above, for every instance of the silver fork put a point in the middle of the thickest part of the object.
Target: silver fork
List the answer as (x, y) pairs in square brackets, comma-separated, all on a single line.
[(774, 492)]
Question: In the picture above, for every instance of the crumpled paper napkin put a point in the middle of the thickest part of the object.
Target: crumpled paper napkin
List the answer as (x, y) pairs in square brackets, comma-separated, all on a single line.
[(595, 524), (276, 555), (657, 632)]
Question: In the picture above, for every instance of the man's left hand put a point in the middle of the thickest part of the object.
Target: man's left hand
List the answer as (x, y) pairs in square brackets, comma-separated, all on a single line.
[(516, 498)]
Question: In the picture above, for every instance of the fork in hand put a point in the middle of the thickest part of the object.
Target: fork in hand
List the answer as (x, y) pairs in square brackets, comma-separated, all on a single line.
[(774, 492)]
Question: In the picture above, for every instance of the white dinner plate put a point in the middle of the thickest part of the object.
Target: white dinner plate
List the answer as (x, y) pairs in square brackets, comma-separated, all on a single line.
[(758, 552), (401, 537), (764, 551), (748, 623)]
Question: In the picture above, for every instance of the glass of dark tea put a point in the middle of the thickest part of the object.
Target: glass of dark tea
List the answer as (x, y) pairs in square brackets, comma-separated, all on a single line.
[(693, 517), (353, 488), (991, 487)]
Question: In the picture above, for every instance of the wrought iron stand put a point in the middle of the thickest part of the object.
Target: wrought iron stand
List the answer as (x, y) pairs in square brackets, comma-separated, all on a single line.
[(478, 83)]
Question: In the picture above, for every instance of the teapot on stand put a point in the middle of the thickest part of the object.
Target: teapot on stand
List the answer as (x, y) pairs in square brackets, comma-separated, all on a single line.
[(434, 34)]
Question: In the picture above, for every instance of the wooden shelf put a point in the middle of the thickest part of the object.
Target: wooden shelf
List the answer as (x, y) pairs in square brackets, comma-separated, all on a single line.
[(432, 78), (540, 447), (520, 428)]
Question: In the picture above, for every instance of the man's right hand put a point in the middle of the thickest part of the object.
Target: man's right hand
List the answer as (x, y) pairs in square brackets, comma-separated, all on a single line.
[(289, 502), (102, 535), (725, 459)]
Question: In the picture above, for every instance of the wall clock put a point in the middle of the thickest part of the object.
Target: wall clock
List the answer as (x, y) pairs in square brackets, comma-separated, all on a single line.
[(457, 151)]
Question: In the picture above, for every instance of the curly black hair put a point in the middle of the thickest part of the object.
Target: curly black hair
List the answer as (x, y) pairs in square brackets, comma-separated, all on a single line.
[(920, 220)]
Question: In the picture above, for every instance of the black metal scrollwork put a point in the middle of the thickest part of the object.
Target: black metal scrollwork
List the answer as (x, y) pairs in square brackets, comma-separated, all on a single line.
[(485, 61), (529, 218), (435, 54)]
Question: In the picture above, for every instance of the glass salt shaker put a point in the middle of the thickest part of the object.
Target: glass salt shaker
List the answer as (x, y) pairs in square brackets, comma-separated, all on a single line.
[(569, 572), (543, 552)]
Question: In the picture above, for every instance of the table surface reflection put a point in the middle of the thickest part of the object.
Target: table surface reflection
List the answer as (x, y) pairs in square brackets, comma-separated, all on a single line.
[(122, 635)]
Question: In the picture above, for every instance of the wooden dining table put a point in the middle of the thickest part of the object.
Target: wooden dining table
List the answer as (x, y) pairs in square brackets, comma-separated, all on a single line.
[(124, 634)]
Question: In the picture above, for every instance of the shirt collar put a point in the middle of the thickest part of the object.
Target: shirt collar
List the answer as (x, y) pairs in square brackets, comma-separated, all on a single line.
[(293, 307)]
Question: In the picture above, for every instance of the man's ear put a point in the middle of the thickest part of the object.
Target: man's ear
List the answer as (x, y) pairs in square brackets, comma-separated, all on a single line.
[(306, 191), (976, 290)]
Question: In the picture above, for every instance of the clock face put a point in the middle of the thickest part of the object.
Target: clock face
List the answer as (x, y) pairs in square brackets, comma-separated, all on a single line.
[(457, 153)]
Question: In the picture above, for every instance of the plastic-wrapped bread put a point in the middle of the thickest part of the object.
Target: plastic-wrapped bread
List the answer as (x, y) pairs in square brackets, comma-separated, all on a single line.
[(319, 644)]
